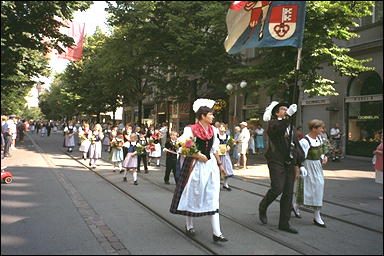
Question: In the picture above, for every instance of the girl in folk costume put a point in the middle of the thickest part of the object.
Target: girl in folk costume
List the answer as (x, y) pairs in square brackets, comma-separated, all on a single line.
[(116, 154), (155, 153), (127, 135), (259, 133), (43, 130), (198, 187), (224, 149), (311, 184), (84, 135), (94, 151), (69, 132), (130, 161)]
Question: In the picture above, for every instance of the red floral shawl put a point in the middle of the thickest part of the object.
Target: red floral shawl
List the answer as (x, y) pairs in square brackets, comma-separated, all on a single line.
[(199, 131)]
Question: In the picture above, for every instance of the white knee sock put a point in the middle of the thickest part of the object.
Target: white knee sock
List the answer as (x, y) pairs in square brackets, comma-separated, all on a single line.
[(215, 221), (120, 165), (158, 161), (317, 216), (189, 222), (85, 155), (226, 182), (134, 176)]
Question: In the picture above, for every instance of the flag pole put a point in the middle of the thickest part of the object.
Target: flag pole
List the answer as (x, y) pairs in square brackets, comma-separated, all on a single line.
[(294, 100)]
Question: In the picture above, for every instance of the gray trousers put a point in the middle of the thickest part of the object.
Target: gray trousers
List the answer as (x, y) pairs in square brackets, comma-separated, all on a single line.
[(7, 145)]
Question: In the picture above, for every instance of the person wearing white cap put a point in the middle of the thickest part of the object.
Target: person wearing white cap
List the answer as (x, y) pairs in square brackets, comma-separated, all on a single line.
[(242, 142), (280, 164), (8, 129), (198, 185)]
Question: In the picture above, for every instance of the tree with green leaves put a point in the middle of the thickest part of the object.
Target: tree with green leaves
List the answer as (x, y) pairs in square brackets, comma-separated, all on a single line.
[(25, 26)]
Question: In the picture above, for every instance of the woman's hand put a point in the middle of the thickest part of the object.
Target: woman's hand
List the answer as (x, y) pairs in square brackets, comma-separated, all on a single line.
[(201, 157), (324, 160)]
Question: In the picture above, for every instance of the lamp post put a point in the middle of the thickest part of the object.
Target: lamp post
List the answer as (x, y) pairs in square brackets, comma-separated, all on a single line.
[(230, 87)]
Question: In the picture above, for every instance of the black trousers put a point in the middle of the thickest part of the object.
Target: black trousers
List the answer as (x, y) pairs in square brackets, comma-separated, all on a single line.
[(282, 180), (170, 166), (145, 161)]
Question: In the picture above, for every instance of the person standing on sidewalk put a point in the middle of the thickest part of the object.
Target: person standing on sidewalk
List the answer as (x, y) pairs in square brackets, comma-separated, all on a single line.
[(198, 187), (236, 154), (259, 132), (310, 190), (243, 141), (335, 134), (281, 166), (9, 128), (379, 163)]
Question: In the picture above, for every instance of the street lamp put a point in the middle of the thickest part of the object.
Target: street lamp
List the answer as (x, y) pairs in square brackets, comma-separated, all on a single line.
[(230, 87)]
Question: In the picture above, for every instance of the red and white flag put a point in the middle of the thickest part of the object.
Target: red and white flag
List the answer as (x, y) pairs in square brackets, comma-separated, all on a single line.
[(76, 31)]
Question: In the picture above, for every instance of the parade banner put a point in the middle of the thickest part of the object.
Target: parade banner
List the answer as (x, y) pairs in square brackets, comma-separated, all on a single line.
[(76, 31), (264, 24)]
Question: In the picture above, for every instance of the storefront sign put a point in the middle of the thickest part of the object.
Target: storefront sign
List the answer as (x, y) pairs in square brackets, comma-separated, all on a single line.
[(315, 102), (368, 117), (364, 98)]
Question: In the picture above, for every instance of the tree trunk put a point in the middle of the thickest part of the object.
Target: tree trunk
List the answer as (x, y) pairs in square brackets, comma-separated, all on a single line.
[(192, 98), (140, 111)]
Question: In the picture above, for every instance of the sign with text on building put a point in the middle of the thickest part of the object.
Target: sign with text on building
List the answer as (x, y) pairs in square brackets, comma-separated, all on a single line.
[(315, 102), (364, 98)]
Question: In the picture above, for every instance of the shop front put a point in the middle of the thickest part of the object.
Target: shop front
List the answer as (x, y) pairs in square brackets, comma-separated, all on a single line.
[(364, 105)]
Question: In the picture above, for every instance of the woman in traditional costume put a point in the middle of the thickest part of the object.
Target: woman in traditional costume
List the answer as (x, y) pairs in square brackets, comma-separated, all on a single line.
[(198, 187)]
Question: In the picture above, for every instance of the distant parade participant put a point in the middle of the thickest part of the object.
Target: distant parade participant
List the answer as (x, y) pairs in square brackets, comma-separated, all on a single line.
[(224, 149), (280, 164), (95, 148), (171, 157), (143, 141), (107, 139), (198, 187), (43, 130), (127, 135), (130, 161), (69, 132), (311, 184), (84, 135), (117, 152), (155, 153)]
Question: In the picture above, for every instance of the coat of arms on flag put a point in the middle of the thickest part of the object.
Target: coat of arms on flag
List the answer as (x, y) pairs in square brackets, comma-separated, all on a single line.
[(264, 24)]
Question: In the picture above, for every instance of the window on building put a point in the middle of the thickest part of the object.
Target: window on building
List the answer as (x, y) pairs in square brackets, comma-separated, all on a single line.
[(377, 15)]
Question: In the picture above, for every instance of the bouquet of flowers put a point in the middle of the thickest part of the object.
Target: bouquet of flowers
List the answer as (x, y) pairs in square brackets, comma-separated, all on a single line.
[(93, 139), (83, 137), (151, 145), (188, 147), (117, 144), (139, 149), (231, 142), (326, 147)]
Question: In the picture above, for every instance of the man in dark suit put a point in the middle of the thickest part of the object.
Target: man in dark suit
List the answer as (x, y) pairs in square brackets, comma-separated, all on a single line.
[(280, 162)]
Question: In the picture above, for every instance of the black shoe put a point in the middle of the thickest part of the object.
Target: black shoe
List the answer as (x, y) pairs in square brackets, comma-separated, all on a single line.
[(220, 238), (263, 215), (149, 164), (136, 183), (125, 179), (297, 214), (167, 182), (227, 188), (190, 232), (121, 171), (157, 165), (318, 224), (114, 170), (289, 229), (90, 164)]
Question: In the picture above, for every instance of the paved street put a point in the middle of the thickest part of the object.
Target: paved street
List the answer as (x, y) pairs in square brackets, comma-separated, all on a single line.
[(56, 205)]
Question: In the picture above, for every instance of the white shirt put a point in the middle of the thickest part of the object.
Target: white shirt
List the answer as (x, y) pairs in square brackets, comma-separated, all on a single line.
[(335, 132), (9, 125), (314, 142), (244, 135), (259, 131)]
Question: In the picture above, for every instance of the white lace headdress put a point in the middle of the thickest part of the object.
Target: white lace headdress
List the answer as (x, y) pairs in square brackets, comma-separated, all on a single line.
[(202, 102)]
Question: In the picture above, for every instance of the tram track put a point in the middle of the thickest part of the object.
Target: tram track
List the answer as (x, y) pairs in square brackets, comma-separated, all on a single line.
[(176, 227)]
